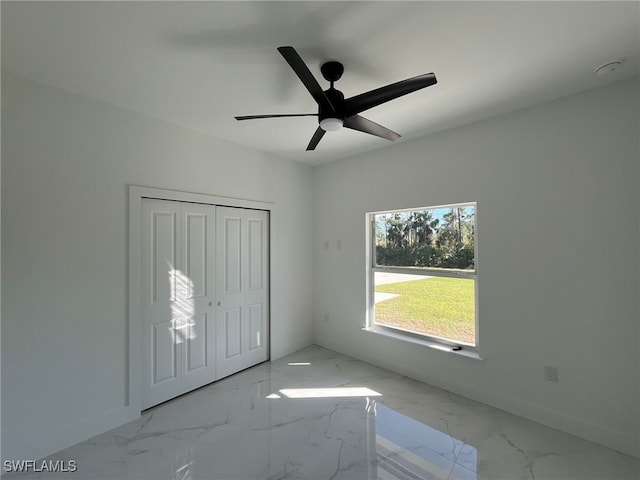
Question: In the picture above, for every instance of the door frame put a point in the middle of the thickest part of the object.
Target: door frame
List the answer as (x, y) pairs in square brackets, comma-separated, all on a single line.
[(133, 395)]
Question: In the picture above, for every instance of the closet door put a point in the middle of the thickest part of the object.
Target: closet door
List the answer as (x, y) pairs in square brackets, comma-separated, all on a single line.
[(197, 334), (205, 295), (161, 361), (178, 328), (242, 288)]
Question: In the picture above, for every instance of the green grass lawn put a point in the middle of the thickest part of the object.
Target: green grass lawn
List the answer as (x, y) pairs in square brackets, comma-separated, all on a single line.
[(438, 306)]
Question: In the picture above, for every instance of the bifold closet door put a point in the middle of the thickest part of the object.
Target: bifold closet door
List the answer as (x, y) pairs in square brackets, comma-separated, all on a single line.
[(205, 294), (242, 283), (178, 299)]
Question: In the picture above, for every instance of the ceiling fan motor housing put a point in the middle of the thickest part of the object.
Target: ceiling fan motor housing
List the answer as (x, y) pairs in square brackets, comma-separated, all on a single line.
[(336, 98)]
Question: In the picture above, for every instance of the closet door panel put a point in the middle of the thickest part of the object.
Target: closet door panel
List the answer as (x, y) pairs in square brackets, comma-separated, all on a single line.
[(257, 286), (161, 362), (198, 295), (231, 277)]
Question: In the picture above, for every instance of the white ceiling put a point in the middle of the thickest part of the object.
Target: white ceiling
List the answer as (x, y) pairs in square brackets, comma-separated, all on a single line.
[(198, 64)]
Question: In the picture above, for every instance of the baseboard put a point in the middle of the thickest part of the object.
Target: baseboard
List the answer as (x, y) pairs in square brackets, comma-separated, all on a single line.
[(602, 435), (48, 443)]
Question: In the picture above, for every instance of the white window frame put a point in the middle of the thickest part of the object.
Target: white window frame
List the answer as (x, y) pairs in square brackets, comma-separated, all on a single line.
[(439, 343)]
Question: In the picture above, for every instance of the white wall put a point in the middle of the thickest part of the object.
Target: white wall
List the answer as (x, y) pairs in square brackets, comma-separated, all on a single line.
[(557, 190), (551, 292), (67, 162)]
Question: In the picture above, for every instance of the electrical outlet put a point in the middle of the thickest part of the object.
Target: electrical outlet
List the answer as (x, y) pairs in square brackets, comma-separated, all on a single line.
[(326, 318), (551, 373)]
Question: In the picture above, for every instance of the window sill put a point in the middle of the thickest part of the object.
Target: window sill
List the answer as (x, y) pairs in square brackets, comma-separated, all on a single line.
[(468, 353)]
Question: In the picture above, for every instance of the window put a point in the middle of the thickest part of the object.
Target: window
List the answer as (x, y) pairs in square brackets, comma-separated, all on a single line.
[(423, 274)]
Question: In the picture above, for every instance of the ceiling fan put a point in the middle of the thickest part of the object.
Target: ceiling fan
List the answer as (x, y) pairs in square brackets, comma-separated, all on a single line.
[(334, 111)]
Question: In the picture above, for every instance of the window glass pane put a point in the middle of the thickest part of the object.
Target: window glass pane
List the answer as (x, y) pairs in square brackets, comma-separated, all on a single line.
[(435, 306), (435, 237)]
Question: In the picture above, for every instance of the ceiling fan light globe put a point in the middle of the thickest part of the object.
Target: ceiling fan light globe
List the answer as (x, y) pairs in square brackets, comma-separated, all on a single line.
[(331, 124)]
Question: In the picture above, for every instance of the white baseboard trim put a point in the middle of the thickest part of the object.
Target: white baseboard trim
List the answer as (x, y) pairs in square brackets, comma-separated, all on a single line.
[(600, 434), (47, 443)]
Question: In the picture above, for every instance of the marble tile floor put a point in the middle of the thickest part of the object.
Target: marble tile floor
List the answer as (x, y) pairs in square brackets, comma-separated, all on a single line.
[(316, 414)]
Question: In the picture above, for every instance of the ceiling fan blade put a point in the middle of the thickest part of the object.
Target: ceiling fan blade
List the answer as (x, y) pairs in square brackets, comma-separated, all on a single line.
[(306, 77), (277, 115), (315, 139), (373, 98), (356, 122)]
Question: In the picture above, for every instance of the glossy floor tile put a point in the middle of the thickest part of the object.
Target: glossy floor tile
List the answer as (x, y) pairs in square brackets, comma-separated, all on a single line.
[(317, 414)]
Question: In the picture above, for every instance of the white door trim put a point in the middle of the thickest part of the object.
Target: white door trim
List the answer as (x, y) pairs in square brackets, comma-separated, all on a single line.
[(133, 397)]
